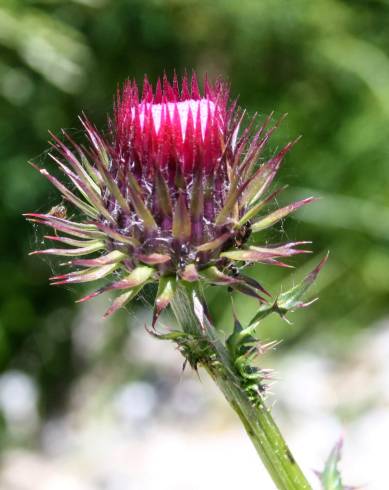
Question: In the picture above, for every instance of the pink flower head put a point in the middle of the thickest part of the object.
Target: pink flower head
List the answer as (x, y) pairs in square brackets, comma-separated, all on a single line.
[(173, 192), (171, 128)]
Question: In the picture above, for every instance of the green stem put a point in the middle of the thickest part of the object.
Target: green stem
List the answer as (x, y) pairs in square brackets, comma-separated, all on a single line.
[(256, 418)]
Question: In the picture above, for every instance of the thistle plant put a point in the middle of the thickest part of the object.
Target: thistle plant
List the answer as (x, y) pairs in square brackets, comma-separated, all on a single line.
[(176, 192)]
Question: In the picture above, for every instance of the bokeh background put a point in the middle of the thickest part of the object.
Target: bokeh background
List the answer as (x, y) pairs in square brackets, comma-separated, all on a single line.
[(92, 405)]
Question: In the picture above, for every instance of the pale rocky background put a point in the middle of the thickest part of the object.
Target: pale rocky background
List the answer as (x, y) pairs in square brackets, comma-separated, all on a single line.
[(177, 432)]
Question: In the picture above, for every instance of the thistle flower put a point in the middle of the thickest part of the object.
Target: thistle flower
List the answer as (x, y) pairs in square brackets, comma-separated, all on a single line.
[(172, 192)]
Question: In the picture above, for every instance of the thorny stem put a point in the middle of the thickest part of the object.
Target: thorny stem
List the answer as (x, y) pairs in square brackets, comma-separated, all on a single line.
[(256, 418)]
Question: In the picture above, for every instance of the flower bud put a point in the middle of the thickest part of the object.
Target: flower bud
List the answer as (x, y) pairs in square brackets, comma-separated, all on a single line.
[(171, 192)]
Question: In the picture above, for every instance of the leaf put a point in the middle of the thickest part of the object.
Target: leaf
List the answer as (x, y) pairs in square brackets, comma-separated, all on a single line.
[(293, 298), (331, 477), (174, 335)]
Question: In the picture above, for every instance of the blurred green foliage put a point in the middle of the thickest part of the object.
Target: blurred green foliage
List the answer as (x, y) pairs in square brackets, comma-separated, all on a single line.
[(326, 63)]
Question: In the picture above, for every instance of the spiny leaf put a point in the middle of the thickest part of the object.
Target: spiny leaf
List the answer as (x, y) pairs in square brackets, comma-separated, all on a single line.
[(293, 298), (174, 335), (243, 348), (330, 477)]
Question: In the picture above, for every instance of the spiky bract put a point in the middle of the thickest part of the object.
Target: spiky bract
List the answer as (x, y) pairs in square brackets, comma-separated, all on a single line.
[(172, 192)]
